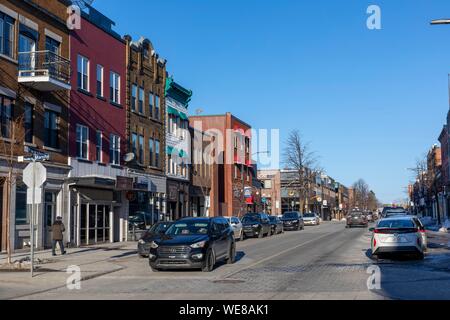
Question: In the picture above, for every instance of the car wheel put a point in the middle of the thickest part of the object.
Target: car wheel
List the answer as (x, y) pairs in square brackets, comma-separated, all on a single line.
[(420, 256), (231, 254), (208, 264), (155, 269)]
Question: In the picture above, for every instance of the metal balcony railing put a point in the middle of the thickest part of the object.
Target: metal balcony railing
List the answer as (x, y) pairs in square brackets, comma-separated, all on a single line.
[(44, 64)]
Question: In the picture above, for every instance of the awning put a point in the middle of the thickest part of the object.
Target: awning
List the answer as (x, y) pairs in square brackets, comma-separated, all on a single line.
[(173, 111), (183, 116)]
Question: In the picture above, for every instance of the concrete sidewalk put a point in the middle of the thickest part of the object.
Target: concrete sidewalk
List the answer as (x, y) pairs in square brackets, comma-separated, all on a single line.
[(51, 272)]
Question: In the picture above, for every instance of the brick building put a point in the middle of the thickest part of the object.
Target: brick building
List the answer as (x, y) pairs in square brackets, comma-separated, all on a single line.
[(34, 87), (271, 190)]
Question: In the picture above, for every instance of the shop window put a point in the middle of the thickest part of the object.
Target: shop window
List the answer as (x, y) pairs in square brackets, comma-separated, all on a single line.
[(21, 205)]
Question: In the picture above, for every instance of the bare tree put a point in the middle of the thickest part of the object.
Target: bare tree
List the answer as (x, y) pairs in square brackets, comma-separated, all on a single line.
[(361, 194), (11, 146), (298, 156)]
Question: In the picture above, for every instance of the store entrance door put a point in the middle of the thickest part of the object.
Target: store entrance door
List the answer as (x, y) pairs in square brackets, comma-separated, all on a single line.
[(95, 223), (49, 217)]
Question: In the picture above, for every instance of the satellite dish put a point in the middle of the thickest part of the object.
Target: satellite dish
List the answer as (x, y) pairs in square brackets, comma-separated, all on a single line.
[(83, 4), (129, 157)]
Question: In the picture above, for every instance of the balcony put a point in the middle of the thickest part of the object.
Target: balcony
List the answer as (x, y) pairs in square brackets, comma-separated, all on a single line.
[(44, 71)]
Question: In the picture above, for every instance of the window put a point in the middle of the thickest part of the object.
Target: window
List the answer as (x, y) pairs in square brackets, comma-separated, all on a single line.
[(267, 184), (157, 153), (99, 81), (82, 142), (141, 149), (141, 100), (150, 151), (53, 46), (150, 104), (28, 122), (51, 129), (114, 154), (83, 73), (21, 204), (134, 143), (6, 106), (157, 107), (133, 97), (7, 35), (99, 146), (115, 88)]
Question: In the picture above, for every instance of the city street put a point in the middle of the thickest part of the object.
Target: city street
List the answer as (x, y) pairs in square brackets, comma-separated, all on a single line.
[(324, 262)]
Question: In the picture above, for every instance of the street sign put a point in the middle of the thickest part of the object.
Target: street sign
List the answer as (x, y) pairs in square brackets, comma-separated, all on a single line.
[(40, 176), (263, 200), (36, 155)]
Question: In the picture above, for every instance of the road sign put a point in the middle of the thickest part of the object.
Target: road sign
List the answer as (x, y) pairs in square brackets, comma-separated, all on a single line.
[(40, 173), (36, 155), (40, 176), (263, 200)]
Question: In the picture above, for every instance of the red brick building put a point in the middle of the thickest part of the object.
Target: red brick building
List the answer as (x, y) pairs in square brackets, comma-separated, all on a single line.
[(235, 192)]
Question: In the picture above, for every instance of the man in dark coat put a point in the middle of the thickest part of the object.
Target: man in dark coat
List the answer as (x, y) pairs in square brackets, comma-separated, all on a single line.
[(57, 236)]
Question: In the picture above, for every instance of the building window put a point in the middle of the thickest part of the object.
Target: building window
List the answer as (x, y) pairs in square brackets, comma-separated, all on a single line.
[(6, 106), (28, 122), (157, 152), (100, 81), (114, 154), (150, 105), (150, 151), (141, 149), (21, 204), (99, 146), (51, 129), (267, 184), (157, 107), (82, 142), (141, 101), (134, 143), (7, 35), (83, 73), (115, 88), (133, 97)]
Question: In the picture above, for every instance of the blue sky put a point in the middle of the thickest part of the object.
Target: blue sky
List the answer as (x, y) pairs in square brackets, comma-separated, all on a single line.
[(370, 102)]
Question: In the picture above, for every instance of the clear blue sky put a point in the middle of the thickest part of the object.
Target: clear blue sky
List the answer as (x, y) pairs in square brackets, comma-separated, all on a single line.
[(370, 102)]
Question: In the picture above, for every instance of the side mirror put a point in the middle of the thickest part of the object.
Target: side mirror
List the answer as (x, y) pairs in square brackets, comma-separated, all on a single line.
[(372, 229)]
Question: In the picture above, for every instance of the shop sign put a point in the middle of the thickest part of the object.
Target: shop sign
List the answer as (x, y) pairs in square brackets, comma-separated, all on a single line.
[(248, 193), (124, 183)]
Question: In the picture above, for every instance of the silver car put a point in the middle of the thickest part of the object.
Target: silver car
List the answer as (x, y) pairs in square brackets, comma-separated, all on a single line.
[(398, 235), (311, 219), (238, 229)]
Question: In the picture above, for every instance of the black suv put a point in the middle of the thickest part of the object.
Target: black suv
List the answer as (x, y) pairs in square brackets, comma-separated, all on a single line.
[(256, 225), (192, 243), (293, 221)]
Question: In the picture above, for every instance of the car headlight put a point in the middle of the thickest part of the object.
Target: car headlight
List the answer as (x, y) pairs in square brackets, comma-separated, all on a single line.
[(197, 245), (154, 245), (255, 225), (141, 241)]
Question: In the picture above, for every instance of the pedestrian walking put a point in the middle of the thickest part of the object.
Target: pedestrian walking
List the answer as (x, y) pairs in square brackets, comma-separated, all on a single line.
[(58, 229)]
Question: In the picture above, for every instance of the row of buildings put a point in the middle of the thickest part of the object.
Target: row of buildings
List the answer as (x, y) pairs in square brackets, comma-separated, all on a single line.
[(327, 197), (114, 125), (430, 193)]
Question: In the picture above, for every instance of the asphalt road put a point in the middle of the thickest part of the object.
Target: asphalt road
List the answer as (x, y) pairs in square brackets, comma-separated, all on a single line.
[(324, 262)]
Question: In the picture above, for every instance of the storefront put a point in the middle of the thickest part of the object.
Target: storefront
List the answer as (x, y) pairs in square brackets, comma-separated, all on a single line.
[(177, 199)]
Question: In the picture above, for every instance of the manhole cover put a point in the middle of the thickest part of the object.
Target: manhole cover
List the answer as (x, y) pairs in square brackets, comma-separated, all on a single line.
[(228, 281)]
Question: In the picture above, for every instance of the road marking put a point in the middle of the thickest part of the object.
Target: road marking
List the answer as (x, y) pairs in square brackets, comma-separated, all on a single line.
[(276, 255)]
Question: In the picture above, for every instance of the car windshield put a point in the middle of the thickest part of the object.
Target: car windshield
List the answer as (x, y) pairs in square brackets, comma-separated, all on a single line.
[(250, 219), (188, 228), (160, 227), (357, 214), (290, 215), (396, 224), (309, 215)]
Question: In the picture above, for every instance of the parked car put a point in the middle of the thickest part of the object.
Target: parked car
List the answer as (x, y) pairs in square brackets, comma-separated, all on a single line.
[(386, 209), (138, 223), (369, 216), (293, 221), (192, 243), (398, 235), (150, 235), (357, 219), (237, 226), (395, 212), (276, 224), (256, 225), (311, 219)]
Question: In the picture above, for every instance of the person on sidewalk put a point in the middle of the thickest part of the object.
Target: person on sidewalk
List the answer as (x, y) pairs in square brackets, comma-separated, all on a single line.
[(57, 236)]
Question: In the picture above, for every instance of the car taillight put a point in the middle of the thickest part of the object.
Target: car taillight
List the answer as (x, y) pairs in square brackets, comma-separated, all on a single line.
[(422, 230), (374, 242)]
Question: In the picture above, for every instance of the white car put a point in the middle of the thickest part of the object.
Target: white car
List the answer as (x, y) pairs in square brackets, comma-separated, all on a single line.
[(399, 235), (238, 229), (311, 219)]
